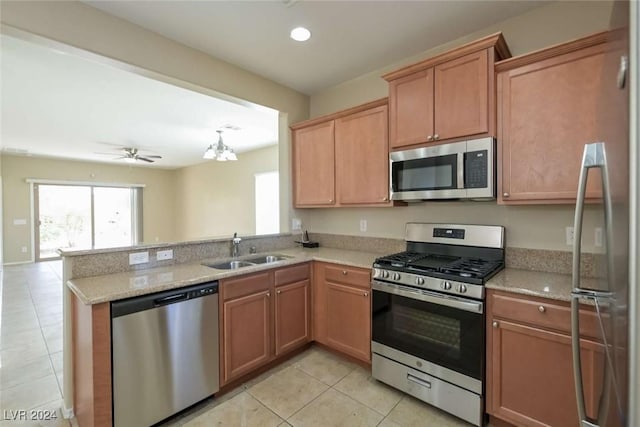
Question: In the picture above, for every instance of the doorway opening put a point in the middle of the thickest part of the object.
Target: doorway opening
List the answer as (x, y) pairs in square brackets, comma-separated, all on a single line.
[(82, 217)]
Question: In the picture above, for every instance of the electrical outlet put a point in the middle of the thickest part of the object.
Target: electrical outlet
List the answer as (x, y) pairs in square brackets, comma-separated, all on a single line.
[(363, 225), (569, 235), (597, 238), (138, 258), (296, 224), (23, 249), (164, 255), (20, 221)]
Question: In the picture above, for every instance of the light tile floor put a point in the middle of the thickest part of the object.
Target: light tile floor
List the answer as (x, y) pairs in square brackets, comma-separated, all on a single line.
[(31, 344), (315, 388)]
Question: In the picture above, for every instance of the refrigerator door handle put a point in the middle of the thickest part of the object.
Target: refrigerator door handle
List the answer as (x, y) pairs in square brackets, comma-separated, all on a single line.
[(594, 156)]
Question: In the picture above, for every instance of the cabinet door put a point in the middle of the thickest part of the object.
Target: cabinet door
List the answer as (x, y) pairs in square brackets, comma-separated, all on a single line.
[(546, 114), (531, 376), (362, 157), (247, 334), (292, 316), (461, 96), (349, 320), (314, 165), (411, 109)]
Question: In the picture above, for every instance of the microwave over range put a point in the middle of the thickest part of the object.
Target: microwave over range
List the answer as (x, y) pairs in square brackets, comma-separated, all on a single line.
[(456, 170)]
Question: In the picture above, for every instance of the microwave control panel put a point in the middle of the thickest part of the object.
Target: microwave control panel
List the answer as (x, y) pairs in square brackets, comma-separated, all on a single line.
[(475, 169)]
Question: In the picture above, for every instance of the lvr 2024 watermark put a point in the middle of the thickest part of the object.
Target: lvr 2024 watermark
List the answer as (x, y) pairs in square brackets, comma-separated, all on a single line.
[(29, 415)]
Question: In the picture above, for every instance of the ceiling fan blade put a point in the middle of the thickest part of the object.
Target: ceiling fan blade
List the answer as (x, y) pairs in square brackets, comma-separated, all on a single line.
[(115, 153), (121, 157), (153, 157), (144, 159)]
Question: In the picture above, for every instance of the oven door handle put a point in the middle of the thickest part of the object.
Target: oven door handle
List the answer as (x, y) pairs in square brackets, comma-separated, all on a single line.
[(426, 296)]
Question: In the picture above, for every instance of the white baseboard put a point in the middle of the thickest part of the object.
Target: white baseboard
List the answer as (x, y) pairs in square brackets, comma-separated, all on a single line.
[(67, 413), (18, 263)]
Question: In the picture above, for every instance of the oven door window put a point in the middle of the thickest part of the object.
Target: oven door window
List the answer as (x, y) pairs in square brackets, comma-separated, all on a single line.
[(431, 173), (442, 335)]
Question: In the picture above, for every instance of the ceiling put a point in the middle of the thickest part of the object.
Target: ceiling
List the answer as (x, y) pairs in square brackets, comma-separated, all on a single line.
[(60, 105), (349, 38)]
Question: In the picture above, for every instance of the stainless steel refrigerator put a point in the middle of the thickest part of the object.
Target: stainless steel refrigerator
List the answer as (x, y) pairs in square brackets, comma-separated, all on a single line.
[(612, 160)]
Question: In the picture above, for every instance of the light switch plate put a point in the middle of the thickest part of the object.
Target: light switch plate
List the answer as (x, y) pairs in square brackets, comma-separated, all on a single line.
[(363, 225), (164, 255), (20, 221), (296, 224), (138, 258)]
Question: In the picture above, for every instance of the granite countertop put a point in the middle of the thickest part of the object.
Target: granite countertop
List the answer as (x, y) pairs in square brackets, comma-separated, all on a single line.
[(535, 283), (112, 287)]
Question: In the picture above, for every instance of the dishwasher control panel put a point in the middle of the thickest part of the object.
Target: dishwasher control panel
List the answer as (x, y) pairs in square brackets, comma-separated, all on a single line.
[(203, 292)]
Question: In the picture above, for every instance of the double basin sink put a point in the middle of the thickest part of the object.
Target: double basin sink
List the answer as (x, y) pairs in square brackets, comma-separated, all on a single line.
[(235, 264)]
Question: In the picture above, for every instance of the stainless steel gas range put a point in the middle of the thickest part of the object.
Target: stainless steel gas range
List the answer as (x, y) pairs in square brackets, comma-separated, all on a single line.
[(428, 336)]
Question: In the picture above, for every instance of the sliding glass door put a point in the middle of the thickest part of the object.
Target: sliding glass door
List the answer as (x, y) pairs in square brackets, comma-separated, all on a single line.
[(83, 217)]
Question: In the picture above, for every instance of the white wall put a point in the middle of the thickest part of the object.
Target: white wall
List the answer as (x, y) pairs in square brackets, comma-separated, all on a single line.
[(215, 199), (541, 227)]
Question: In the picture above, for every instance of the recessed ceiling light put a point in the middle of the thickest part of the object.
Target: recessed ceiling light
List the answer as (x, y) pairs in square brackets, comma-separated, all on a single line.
[(300, 34)]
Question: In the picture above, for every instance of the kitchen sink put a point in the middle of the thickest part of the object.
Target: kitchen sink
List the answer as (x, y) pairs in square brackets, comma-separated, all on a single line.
[(231, 265), (268, 259), (235, 264)]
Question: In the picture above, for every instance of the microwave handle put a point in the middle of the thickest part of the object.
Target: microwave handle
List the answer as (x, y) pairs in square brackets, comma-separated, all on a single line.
[(460, 157)]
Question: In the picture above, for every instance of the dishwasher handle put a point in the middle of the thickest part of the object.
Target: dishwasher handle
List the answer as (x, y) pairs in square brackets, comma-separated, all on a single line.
[(170, 299), (160, 299)]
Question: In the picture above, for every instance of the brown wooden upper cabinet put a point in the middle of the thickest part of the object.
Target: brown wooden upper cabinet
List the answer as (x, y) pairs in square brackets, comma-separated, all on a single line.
[(446, 97), (342, 159), (547, 103)]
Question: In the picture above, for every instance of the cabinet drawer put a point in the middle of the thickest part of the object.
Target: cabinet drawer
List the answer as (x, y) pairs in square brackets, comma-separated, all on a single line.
[(245, 285), (544, 313), (348, 275), (292, 274)]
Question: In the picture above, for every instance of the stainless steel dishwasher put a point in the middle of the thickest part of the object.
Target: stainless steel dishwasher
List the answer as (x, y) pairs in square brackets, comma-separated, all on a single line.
[(164, 353)]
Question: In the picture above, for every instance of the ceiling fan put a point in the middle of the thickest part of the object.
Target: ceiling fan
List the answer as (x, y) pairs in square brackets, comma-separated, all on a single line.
[(132, 155)]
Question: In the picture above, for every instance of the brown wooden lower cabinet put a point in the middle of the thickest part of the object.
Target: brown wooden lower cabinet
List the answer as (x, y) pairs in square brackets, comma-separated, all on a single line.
[(292, 322), (530, 368), (263, 315), (247, 333), (342, 309)]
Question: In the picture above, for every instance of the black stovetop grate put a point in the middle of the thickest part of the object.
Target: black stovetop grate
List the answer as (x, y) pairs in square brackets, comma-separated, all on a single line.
[(456, 267)]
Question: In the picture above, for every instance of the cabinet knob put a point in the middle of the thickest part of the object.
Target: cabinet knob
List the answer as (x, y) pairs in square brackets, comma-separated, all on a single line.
[(330, 200), (344, 272), (268, 294), (366, 294), (495, 324), (436, 136), (278, 292), (385, 198), (430, 138), (505, 195), (542, 309)]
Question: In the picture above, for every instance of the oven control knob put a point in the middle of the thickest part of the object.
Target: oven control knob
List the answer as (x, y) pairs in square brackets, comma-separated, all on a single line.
[(419, 281), (396, 276), (384, 274), (445, 285), (462, 289)]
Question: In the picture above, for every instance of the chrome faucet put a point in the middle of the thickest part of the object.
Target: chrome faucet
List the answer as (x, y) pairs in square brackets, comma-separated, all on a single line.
[(235, 242)]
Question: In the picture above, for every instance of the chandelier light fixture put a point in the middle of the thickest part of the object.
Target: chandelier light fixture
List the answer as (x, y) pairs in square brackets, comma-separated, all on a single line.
[(219, 151)]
